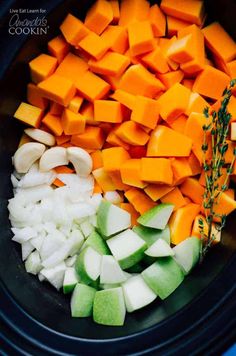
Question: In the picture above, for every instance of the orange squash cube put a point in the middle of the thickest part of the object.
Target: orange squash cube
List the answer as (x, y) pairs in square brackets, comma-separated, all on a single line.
[(156, 170), (132, 133), (94, 46), (29, 114), (116, 38), (99, 16), (141, 39), (113, 158), (111, 64), (108, 111), (73, 30), (157, 191), (156, 61), (157, 20), (72, 67), (58, 89), (92, 138), (35, 98), (91, 86), (72, 123), (140, 201), (174, 197), (42, 67), (53, 122), (130, 173), (58, 48), (145, 111)]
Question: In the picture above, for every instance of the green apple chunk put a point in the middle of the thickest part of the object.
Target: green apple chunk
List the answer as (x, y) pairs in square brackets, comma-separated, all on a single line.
[(88, 265), (160, 248), (70, 280), (150, 235), (187, 253), (111, 271), (97, 243), (157, 217), (109, 286), (163, 276), (82, 301), (127, 248), (111, 219), (137, 293), (109, 307)]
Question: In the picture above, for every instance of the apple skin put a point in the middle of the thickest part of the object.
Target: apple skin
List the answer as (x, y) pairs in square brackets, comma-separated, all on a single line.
[(163, 276)]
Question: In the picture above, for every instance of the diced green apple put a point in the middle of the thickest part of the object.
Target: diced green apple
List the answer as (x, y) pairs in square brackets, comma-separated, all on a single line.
[(111, 219), (150, 235), (82, 301), (88, 265), (127, 248), (163, 276), (137, 293), (160, 248), (97, 243), (187, 253), (157, 217), (110, 271), (109, 307), (70, 280)]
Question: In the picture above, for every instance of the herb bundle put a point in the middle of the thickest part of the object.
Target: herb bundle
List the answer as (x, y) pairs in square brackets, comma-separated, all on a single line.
[(215, 146)]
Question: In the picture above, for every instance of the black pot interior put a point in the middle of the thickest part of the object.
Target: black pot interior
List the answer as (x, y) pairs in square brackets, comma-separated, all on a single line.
[(39, 300)]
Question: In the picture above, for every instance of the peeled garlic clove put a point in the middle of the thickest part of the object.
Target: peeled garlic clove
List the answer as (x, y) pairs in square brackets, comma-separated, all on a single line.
[(81, 160), (41, 136), (53, 157), (26, 155)]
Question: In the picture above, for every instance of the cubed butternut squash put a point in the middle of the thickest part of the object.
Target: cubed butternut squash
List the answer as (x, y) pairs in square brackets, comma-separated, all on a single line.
[(140, 201), (35, 98), (113, 64), (94, 46), (91, 138), (103, 179), (130, 173), (72, 67), (174, 102), (179, 124), (58, 47), (211, 83), (117, 38), (91, 86), (132, 11), (53, 122), (29, 114), (138, 80), (124, 98), (156, 170), (108, 111), (193, 189), (156, 61), (132, 133), (181, 169), (165, 142), (145, 111), (99, 16), (141, 39), (181, 222), (113, 158), (174, 197), (72, 123), (42, 67), (171, 78), (157, 20), (157, 191), (73, 30), (59, 89), (134, 214)]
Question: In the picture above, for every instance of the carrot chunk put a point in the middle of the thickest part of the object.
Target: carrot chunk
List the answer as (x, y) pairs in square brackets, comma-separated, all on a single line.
[(91, 86), (132, 133), (73, 30), (58, 48), (42, 67), (161, 143), (156, 170), (58, 89), (99, 16), (29, 114), (145, 111)]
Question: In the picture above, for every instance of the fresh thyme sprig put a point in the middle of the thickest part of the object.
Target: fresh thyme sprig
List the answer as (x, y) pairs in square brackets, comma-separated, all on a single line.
[(214, 148)]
